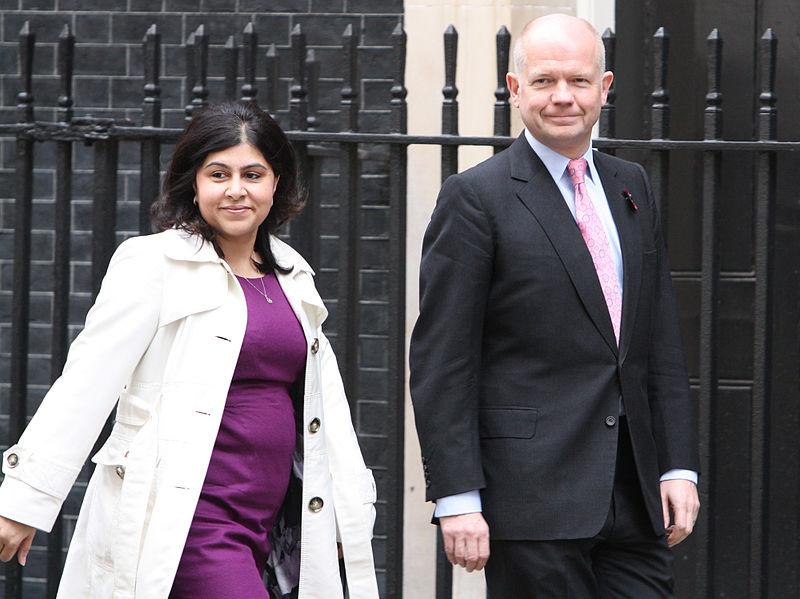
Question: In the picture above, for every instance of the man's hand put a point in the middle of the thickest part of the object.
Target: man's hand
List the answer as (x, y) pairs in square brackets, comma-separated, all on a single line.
[(679, 499), (466, 540), (15, 536)]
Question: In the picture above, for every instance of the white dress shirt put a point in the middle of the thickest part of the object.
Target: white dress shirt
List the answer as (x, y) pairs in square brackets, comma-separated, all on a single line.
[(556, 165)]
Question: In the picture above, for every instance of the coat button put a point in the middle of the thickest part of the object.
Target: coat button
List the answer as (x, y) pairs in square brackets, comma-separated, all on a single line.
[(12, 460), (120, 470), (315, 346), (315, 504), (611, 421), (313, 426)]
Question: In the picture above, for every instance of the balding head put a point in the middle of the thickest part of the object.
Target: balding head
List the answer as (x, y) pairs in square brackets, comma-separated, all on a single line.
[(557, 28)]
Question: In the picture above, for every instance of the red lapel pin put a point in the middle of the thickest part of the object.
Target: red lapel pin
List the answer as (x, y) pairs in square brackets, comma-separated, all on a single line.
[(629, 198)]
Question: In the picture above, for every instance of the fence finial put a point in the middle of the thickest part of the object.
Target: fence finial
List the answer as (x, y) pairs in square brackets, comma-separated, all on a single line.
[(768, 99), (250, 44), (398, 91), (608, 122), (312, 77), (271, 68), (191, 74), (349, 93), (200, 89), (231, 67), (298, 107), (27, 42), (66, 61), (660, 98), (712, 115), (502, 109)]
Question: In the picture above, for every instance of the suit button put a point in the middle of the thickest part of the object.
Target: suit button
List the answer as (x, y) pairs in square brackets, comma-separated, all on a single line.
[(12, 460), (120, 470), (611, 421), (313, 426), (315, 504)]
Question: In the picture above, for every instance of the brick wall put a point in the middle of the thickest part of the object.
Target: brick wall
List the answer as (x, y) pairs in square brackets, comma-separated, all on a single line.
[(108, 83)]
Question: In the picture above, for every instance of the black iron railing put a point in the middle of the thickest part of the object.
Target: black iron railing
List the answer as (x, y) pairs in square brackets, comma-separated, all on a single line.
[(345, 146)]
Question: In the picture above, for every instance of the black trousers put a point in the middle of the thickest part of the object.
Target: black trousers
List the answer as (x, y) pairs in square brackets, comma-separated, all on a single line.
[(625, 560)]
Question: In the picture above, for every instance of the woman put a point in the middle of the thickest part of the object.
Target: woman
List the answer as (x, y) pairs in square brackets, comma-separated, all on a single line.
[(199, 334)]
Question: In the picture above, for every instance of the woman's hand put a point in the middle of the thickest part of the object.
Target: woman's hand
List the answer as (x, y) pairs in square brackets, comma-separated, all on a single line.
[(15, 539)]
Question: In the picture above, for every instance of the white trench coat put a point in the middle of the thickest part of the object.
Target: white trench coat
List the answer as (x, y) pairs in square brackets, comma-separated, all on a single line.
[(162, 340)]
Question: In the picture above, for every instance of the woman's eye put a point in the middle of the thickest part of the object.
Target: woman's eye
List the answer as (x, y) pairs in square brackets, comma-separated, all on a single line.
[(218, 175), (253, 176)]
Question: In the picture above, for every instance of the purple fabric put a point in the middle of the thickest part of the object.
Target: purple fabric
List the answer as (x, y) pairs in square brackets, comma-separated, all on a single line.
[(227, 546)]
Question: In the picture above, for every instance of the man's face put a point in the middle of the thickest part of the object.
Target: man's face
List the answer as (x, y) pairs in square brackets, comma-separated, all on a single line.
[(561, 89)]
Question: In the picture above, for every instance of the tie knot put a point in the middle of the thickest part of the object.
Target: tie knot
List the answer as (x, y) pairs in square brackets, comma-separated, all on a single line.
[(577, 169)]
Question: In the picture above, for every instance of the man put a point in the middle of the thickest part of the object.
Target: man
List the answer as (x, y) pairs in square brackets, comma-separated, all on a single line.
[(547, 375)]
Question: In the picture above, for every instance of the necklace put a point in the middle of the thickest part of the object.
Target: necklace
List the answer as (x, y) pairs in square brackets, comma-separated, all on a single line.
[(263, 291)]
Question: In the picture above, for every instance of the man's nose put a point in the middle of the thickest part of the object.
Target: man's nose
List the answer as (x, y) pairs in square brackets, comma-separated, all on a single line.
[(561, 94)]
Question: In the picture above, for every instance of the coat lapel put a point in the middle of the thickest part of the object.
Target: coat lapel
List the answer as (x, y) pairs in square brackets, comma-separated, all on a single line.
[(630, 239), (538, 192)]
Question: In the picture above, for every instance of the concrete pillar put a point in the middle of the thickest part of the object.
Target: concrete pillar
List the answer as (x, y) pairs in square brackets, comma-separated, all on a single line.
[(477, 22)]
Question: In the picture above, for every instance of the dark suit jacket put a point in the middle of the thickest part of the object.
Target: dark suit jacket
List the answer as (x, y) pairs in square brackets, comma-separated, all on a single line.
[(515, 373)]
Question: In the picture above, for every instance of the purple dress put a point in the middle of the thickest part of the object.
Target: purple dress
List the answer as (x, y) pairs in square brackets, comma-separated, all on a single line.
[(227, 546)]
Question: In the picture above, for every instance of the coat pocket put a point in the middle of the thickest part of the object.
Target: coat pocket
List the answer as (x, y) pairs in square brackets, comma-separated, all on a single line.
[(508, 422), (103, 517)]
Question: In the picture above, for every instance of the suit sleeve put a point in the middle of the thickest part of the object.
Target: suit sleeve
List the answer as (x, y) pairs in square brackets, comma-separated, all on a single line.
[(667, 378), (445, 354), (101, 360)]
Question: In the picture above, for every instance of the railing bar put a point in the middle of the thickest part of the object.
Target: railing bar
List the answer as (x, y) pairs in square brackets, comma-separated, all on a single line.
[(709, 323), (395, 445), (766, 163), (449, 102), (347, 324), (20, 299)]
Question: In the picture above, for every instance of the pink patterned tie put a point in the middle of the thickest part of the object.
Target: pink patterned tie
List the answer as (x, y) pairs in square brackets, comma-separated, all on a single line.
[(595, 237)]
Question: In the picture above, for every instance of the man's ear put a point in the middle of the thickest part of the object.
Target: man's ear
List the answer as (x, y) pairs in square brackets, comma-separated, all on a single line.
[(512, 81), (605, 84)]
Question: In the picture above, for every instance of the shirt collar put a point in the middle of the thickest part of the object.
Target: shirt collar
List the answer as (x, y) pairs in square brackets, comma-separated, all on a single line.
[(555, 163)]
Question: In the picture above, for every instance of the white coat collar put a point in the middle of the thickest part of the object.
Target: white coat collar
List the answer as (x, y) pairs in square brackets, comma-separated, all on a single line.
[(185, 246)]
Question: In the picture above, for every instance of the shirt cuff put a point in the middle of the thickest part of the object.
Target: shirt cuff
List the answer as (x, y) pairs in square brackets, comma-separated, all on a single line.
[(455, 505), (677, 474)]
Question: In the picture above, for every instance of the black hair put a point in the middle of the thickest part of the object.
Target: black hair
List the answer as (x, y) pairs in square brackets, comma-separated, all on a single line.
[(215, 128)]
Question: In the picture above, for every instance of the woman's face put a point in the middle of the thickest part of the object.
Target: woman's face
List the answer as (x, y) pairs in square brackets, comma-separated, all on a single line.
[(234, 190)]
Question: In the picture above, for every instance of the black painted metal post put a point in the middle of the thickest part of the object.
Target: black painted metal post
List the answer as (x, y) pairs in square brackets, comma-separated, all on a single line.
[(395, 449), (250, 43), (659, 160), (151, 117), (231, 67), (61, 271), (20, 302), (313, 214), (301, 228), (444, 570), (200, 89), (449, 103), (608, 118), (709, 321), (349, 233), (762, 320), (502, 109), (271, 72)]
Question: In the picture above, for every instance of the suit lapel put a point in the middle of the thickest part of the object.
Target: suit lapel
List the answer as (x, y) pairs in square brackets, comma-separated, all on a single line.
[(540, 195), (630, 239)]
